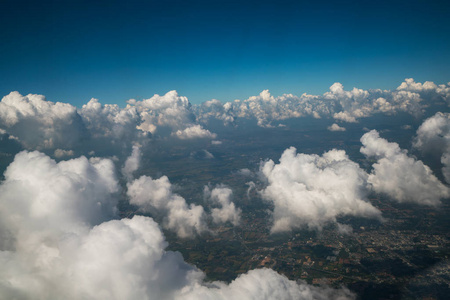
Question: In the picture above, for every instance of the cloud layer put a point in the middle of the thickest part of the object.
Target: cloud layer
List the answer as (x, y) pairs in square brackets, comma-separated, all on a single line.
[(342, 105), (41, 124)]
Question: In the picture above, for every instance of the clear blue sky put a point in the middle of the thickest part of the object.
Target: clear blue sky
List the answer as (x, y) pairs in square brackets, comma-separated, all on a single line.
[(72, 51)]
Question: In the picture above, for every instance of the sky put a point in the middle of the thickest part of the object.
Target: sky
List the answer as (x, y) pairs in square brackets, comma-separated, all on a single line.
[(72, 51)]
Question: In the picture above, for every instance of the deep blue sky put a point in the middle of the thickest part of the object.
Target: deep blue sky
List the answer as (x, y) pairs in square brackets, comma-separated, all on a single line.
[(72, 51)]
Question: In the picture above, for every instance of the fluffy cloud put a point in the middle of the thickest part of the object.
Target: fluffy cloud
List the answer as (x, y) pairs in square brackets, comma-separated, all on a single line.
[(156, 196), (40, 124), (336, 127), (35, 187), (402, 177), (132, 163), (263, 284), (433, 137), (342, 105), (57, 242), (226, 212), (313, 190), (169, 112), (110, 121), (195, 131)]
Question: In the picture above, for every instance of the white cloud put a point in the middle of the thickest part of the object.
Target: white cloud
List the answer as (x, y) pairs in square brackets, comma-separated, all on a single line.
[(345, 117), (195, 131), (40, 124), (342, 105), (433, 137), (36, 187), (313, 190), (156, 196), (335, 127), (263, 284), (171, 112), (110, 120), (402, 177), (132, 163), (226, 212), (410, 85), (57, 242)]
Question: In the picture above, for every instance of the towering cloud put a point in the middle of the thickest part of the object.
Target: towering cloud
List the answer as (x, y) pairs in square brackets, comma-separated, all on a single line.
[(132, 163), (156, 196), (40, 124), (169, 112), (312, 190), (160, 115), (57, 242), (402, 177), (110, 121), (342, 105)]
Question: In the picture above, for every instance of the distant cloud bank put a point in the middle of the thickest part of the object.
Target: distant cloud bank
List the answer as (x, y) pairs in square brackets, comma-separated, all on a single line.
[(41, 124)]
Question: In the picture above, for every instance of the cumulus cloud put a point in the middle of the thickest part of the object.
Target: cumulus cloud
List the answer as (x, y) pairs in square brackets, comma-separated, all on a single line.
[(312, 190), (57, 242), (195, 131), (110, 121), (132, 163), (433, 137), (403, 178), (40, 124), (36, 187), (172, 112), (156, 196), (264, 284), (226, 212), (338, 103), (335, 127)]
